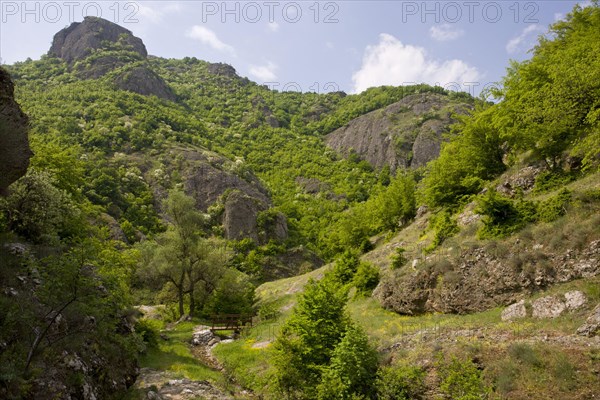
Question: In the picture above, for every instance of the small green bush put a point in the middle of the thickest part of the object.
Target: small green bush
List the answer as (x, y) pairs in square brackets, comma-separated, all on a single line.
[(148, 330), (461, 380), (366, 279), (398, 258), (346, 266), (555, 207), (525, 354), (268, 312), (443, 227), (400, 382), (548, 180)]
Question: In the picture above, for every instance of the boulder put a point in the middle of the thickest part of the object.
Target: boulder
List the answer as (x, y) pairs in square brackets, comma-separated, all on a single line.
[(203, 336), (592, 324), (548, 307), (575, 300), (514, 311), (14, 142)]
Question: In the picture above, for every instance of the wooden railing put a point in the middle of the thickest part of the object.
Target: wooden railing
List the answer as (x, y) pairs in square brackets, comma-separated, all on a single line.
[(230, 322)]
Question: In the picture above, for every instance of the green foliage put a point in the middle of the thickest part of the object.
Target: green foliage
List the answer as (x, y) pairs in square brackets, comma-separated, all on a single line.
[(443, 227), (352, 369), (234, 294), (308, 338), (39, 211), (183, 259), (555, 207), (548, 180), (550, 102), (400, 382), (268, 312), (346, 266), (503, 216), (365, 279), (396, 205), (398, 259), (525, 354), (78, 307), (472, 156), (461, 380), (500, 216), (148, 330)]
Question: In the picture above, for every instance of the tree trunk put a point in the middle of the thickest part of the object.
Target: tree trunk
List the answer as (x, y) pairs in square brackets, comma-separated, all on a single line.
[(180, 295), (192, 301)]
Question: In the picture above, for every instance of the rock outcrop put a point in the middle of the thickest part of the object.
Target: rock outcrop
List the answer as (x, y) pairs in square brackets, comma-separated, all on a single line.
[(547, 307), (14, 143), (80, 39), (479, 279), (592, 324), (240, 216), (216, 182), (406, 134), (142, 80), (514, 311)]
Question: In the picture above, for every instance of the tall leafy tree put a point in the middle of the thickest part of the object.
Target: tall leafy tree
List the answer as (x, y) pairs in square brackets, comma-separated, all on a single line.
[(307, 340), (550, 102), (181, 256)]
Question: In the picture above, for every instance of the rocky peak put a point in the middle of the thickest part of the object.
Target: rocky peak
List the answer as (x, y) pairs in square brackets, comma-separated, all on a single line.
[(78, 40), (222, 70), (14, 144)]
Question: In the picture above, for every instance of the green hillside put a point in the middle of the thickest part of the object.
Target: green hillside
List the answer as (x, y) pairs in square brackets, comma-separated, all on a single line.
[(179, 187)]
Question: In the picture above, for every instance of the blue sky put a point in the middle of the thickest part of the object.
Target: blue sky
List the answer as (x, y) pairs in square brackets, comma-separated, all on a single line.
[(310, 45)]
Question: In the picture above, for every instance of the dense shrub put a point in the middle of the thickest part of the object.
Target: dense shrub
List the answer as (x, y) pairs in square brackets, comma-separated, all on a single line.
[(400, 383), (365, 279)]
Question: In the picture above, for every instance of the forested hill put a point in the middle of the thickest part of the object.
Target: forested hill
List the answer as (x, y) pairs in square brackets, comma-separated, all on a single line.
[(98, 101)]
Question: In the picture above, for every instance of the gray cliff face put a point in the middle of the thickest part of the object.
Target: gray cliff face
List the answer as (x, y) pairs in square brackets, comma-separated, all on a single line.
[(14, 143), (214, 180), (77, 41), (406, 134)]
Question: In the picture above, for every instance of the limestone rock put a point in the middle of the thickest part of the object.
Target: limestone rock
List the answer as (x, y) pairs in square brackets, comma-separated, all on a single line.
[(80, 39), (592, 324), (514, 311), (222, 70), (406, 134), (575, 300), (240, 216), (142, 80), (203, 336), (14, 142), (548, 307)]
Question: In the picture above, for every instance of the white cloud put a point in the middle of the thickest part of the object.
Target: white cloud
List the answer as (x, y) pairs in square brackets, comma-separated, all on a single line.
[(391, 62), (329, 45), (558, 16), (445, 32), (156, 14), (525, 40), (264, 73), (208, 37), (273, 26)]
